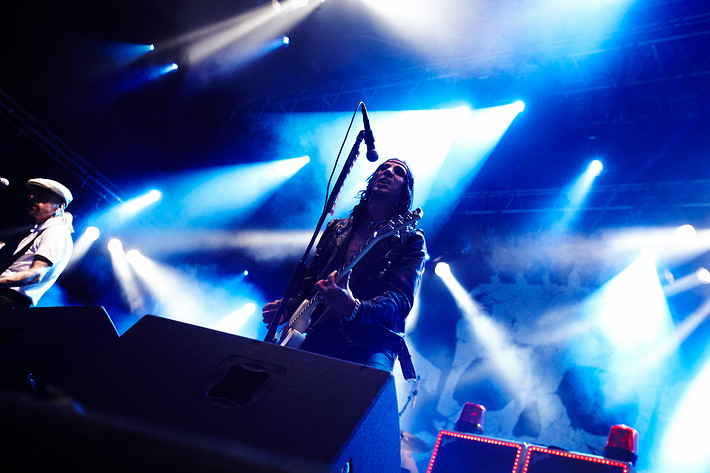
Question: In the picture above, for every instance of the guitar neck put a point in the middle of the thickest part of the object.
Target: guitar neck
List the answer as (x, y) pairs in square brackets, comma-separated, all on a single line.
[(357, 256)]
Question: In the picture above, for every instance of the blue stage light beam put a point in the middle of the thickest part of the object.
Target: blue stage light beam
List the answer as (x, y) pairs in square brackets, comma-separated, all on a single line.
[(632, 321), (234, 321), (673, 245), (179, 297), (129, 287), (684, 444), (183, 296), (686, 327), (136, 204), (697, 278), (119, 73), (84, 243), (571, 202), (499, 349), (479, 132), (436, 29), (198, 199), (234, 193), (117, 215), (426, 139), (267, 47), (124, 54), (236, 41), (264, 246), (136, 79)]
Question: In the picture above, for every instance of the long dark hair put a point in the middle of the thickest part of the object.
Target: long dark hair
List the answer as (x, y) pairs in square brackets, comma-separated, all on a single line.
[(403, 204)]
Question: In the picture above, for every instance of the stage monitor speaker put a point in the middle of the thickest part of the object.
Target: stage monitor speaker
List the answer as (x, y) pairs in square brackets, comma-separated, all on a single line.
[(456, 452), (550, 460), (289, 402), (50, 344)]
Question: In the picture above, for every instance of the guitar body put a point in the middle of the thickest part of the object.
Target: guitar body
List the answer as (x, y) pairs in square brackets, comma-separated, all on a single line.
[(293, 339), (292, 335)]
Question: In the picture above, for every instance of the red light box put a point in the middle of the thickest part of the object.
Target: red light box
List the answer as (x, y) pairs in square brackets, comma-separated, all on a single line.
[(549, 460), (456, 452)]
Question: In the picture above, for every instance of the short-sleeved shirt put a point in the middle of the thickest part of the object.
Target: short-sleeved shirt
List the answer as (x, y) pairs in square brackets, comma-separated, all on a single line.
[(55, 245)]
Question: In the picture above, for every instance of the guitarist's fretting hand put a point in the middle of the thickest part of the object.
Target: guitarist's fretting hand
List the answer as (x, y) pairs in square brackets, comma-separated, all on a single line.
[(268, 312), (338, 297)]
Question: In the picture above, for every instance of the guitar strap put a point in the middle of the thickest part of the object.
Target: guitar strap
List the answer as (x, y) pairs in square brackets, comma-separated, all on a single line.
[(9, 262), (405, 362)]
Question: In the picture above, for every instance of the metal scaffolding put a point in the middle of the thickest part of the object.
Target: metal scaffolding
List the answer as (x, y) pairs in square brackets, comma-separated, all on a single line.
[(28, 127), (655, 203)]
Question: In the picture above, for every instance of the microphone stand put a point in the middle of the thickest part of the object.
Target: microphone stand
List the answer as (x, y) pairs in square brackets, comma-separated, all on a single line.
[(297, 275)]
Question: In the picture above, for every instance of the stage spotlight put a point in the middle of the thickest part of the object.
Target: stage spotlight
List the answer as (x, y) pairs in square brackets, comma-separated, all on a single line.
[(132, 256), (234, 321), (170, 68), (134, 205), (114, 245), (92, 233), (687, 282), (126, 278), (686, 232), (571, 202), (286, 40), (442, 269), (245, 273), (83, 243), (125, 53), (519, 106), (595, 167)]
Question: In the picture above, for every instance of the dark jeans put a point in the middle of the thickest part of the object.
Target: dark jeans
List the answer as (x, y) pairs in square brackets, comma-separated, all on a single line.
[(381, 357), (11, 299)]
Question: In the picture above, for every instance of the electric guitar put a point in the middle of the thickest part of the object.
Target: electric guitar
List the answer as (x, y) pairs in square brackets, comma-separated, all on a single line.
[(292, 334)]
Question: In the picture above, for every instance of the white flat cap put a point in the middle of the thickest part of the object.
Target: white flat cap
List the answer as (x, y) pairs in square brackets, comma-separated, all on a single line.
[(51, 186)]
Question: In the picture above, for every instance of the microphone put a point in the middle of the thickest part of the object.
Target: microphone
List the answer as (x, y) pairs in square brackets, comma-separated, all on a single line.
[(372, 155), (4, 183)]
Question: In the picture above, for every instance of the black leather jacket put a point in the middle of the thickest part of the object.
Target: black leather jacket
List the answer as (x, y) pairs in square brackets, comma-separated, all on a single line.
[(385, 279)]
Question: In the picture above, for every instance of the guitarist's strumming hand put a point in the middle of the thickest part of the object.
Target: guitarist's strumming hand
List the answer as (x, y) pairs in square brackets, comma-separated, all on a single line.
[(336, 295)]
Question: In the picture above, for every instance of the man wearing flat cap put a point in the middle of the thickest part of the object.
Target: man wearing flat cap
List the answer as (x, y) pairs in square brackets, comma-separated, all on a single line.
[(42, 255)]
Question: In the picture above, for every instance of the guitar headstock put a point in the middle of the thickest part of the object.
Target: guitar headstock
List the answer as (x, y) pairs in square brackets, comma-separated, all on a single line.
[(398, 223), (383, 231)]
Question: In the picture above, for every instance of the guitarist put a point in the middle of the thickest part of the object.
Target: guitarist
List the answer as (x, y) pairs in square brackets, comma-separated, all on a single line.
[(368, 305), (43, 254)]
